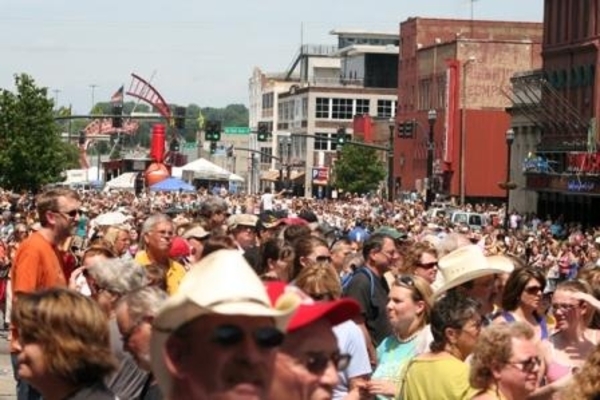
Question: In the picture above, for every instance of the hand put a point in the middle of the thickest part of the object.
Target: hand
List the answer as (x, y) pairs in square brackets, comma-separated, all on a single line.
[(588, 298), (385, 388), (74, 276)]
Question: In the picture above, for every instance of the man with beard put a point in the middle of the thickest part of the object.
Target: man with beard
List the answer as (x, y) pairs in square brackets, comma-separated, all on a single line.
[(135, 313), (155, 243), (38, 263), (217, 336)]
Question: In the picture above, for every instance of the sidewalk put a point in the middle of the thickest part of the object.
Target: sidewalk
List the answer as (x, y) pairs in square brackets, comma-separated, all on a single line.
[(7, 382)]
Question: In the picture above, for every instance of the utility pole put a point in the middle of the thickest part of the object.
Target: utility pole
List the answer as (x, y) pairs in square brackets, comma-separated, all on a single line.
[(93, 87), (56, 92)]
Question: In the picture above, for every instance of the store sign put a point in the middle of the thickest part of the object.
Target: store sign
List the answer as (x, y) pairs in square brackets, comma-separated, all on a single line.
[(320, 176)]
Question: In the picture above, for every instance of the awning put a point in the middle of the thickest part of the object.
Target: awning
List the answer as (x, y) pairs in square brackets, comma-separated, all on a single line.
[(273, 176)]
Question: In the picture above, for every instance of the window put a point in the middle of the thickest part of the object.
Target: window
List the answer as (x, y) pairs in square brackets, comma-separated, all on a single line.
[(266, 152), (385, 108), (322, 107), (341, 109), (321, 142), (362, 106), (267, 100)]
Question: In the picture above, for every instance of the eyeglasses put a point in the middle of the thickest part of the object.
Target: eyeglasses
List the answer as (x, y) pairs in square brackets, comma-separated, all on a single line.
[(232, 335), (326, 296), (165, 233), (127, 335), (317, 362), (528, 365), (322, 259), (566, 307), (429, 265), (533, 290), (71, 214)]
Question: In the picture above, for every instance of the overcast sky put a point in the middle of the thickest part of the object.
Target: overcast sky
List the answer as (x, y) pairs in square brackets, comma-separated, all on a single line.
[(196, 53)]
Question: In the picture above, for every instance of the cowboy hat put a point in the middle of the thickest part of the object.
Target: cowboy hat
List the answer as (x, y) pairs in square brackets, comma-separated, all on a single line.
[(221, 283), (466, 264)]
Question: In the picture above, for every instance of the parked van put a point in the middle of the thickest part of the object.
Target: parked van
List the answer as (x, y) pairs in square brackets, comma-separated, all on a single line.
[(473, 220)]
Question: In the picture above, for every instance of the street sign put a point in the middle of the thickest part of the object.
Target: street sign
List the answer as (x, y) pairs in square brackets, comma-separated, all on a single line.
[(237, 130)]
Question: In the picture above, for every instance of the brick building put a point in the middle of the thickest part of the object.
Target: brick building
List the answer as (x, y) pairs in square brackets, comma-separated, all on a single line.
[(566, 176), (462, 70)]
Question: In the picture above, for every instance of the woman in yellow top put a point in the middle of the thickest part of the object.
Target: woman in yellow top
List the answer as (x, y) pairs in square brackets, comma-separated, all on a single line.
[(442, 373), (505, 363)]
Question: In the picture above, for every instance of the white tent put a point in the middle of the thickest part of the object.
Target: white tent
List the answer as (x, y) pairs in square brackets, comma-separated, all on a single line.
[(124, 181), (204, 169)]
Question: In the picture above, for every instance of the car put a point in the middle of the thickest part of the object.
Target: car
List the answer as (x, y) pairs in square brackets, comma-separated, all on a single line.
[(473, 220)]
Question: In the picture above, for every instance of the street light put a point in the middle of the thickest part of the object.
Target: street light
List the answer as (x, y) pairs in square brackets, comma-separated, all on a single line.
[(390, 185), (510, 138), (431, 117), (463, 130)]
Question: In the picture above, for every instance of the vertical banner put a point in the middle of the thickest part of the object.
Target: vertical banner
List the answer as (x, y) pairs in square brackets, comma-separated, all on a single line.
[(320, 176)]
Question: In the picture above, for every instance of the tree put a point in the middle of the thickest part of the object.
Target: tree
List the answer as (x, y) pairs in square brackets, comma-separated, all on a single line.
[(359, 169), (31, 151)]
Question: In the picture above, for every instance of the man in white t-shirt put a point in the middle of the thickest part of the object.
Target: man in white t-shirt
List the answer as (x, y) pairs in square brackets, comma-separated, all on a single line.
[(267, 199)]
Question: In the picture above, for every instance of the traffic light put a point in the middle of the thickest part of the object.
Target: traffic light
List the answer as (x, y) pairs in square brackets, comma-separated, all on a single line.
[(180, 117), (117, 119), (263, 131), (230, 151), (82, 138), (342, 137), (212, 131), (213, 147)]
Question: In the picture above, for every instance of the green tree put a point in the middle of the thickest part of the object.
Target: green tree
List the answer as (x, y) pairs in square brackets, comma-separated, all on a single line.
[(359, 169), (31, 151)]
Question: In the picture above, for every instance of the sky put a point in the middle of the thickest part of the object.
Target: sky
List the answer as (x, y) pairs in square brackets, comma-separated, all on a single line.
[(194, 51)]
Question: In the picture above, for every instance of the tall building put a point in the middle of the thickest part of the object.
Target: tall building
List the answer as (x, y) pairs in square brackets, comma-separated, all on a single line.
[(565, 172), (461, 69)]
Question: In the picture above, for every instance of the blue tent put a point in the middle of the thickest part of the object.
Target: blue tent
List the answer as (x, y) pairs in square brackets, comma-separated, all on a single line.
[(172, 185)]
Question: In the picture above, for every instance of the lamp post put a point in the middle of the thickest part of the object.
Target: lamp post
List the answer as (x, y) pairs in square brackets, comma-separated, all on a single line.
[(463, 131), (510, 138), (431, 117), (390, 155)]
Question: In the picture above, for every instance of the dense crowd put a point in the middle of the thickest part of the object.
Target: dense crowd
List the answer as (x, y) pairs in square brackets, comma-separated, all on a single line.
[(211, 295)]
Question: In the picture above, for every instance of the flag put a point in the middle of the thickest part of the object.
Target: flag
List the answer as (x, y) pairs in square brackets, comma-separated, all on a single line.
[(118, 96)]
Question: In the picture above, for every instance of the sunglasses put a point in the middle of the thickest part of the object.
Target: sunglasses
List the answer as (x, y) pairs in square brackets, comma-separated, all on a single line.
[(533, 290), (326, 296), (232, 335), (408, 282), (317, 362), (322, 259), (429, 265), (528, 365), (71, 214)]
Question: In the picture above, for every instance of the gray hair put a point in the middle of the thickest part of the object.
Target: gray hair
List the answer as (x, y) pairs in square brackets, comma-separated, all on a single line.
[(149, 224), (118, 276), (451, 242), (213, 205), (144, 302)]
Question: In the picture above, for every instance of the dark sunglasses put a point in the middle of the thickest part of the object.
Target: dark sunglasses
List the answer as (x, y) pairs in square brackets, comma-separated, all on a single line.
[(429, 265), (323, 259), (528, 365), (533, 290), (70, 214), (316, 363), (408, 282), (232, 335), (326, 296)]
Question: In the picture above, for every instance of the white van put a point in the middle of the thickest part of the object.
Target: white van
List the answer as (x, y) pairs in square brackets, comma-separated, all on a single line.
[(473, 220)]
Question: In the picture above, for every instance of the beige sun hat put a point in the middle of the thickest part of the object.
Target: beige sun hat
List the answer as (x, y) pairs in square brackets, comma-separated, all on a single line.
[(466, 264), (222, 283)]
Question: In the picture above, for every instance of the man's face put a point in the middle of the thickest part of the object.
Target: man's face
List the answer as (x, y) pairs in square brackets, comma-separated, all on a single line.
[(66, 216), (160, 236), (298, 375), (135, 336), (224, 357), (387, 256), (484, 291), (245, 236), (338, 255)]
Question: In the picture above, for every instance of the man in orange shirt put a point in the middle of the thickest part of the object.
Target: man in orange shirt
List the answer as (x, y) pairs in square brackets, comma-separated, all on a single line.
[(38, 263)]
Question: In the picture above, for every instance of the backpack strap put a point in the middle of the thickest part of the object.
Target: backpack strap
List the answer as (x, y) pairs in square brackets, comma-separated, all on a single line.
[(366, 271)]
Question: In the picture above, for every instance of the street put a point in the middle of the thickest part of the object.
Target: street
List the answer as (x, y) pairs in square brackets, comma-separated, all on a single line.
[(7, 383)]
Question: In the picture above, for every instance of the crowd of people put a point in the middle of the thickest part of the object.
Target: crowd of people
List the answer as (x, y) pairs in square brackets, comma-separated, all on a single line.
[(210, 296)]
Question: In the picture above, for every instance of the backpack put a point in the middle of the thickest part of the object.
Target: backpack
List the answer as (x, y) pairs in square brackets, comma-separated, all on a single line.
[(361, 270)]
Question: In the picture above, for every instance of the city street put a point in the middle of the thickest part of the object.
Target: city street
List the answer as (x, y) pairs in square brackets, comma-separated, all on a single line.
[(7, 383)]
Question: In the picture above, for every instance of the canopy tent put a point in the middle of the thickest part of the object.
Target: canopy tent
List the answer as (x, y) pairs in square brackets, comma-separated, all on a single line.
[(204, 169), (124, 181), (172, 184)]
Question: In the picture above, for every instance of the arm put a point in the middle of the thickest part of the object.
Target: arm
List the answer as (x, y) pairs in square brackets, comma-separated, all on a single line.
[(371, 351), (25, 270)]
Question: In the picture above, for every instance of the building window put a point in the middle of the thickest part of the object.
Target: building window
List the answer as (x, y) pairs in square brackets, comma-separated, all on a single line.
[(341, 109), (385, 108), (321, 141), (362, 107), (265, 156), (267, 100), (322, 107)]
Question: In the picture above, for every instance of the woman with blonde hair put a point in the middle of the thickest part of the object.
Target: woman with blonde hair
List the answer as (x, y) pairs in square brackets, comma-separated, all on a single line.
[(63, 345), (409, 310), (321, 282), (585, 384), (119, 239)]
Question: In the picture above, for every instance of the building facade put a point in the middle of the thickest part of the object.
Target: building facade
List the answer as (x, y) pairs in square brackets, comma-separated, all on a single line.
[(461, 69), (566, 169)]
